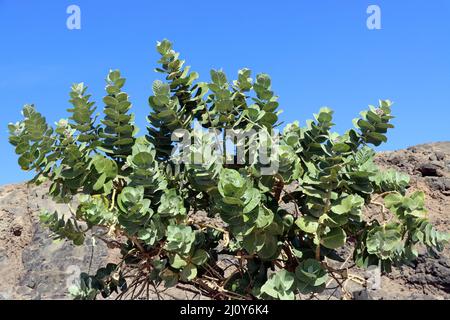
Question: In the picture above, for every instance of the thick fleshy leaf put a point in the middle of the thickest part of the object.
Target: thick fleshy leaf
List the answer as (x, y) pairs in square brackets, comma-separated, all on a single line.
[(333, 239)]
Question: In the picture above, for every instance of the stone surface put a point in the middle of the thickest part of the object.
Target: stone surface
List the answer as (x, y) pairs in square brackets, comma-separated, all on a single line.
[(429, 170), (32, 265)]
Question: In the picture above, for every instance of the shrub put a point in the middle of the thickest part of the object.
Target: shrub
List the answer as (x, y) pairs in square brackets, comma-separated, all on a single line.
[(276, 215)]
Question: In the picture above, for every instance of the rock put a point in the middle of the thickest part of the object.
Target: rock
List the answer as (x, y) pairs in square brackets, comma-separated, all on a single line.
[(422, 297), (438, 184), (51, 266), (446, 183), (440, 156), (32, 265), (432, 271), (3, 257), (413, 149), (429, 170), (395, 160), (4, 296), (362, 295)]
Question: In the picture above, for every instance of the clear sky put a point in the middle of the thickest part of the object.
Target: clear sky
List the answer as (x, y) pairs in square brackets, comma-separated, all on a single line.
[(319, 53)]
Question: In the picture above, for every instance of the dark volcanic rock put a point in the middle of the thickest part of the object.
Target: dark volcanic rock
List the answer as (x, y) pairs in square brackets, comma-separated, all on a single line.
[(429, 170), (32, 265), (440, 156), (438, 184), (431, 271), (51, 266)]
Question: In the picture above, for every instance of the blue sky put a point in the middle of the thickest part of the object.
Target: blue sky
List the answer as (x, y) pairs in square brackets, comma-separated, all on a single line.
[(318, 53)]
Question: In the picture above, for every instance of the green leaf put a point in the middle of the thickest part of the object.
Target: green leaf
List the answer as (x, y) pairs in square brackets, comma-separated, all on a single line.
[(25, 161), (169, 277), (341, 147), (114, 75), (100, 182), (333, 220), (164, 46), (252, 198), (348, 204), (177, 261), (231, 184), (200, 257), (219, 78), (160, 88), (311, 276), (171, 204), (244, 81), (325, 115), (110, 101), (280, 285), (263, 79), (307, 224), (384, 241), (363, 124), (262, 243), (180, 239), (264, 218), (392, 200), (189, 272), (333, 239)]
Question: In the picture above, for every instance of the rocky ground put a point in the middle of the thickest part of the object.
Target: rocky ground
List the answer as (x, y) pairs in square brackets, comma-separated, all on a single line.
[(33, 266)]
